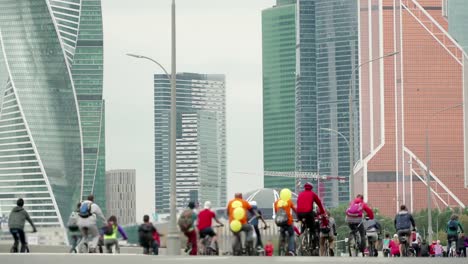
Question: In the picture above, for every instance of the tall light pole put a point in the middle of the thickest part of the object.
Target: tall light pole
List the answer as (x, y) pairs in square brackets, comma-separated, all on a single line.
[(173, 243), (428, 171), (351, 119)]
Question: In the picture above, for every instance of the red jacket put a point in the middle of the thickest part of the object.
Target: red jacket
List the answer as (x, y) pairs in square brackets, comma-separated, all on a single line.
[(305, 202), (365, 207)]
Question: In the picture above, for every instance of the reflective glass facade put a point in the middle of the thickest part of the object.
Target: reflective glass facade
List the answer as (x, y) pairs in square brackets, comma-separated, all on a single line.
[(43, 124), (200, 142), (87, 70), (309, 51), (458, 19), (279, 66), (336, 54)]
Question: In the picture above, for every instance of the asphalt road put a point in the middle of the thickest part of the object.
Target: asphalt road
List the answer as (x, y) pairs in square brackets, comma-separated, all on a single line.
[(140, 259)]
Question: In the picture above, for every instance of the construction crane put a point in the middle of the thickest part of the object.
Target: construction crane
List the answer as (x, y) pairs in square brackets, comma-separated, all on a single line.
[(300, 176)]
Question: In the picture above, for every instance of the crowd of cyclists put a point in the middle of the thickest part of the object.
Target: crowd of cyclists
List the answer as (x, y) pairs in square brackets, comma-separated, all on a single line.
[(315, 237)]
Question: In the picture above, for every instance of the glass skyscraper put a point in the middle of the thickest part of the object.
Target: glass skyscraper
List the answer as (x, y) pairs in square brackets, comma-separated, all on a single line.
[(279, 69), (200, 141), (320, 50), (51, 119)]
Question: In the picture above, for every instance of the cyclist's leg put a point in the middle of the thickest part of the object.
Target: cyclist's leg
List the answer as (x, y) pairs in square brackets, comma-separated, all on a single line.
[(362, 233), (291, 242), (93, 237), (108, 243), (322, 245), (22, 237), (14, 233), (155, 247), (332, 246)]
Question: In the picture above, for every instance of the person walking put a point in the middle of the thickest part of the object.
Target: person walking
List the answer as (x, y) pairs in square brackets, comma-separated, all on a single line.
[(16, 222)]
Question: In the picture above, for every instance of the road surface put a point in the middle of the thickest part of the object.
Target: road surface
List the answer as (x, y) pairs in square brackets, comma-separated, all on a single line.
[(140, 259)]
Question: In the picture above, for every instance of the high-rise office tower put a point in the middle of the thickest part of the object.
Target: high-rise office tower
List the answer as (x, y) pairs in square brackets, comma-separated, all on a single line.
[(121, 195), (413, 107), (51, 118), (279, 67), (324, 36), (201, 139), (87, 72)]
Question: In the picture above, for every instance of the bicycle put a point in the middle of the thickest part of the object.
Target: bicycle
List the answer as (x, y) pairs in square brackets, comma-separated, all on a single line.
[(204, 245), (14, 247), (406, 250), (453, 250), (283, 243), (83, 246), (309, 240), (354, 241), (371, 239), (237, 245)]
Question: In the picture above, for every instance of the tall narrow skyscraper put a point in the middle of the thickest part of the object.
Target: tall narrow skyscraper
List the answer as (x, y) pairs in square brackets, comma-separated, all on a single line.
[(201, 139), (279, 68), (51, 106)]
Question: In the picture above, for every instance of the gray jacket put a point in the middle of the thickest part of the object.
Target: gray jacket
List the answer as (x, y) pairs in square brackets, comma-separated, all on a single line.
[(18, 217)]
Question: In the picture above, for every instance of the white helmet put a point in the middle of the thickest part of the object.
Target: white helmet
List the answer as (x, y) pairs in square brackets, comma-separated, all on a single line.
[(207, 205), (253, 203)]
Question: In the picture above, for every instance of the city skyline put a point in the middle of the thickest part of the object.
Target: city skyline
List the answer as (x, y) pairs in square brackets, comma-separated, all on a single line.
[(129, 82)]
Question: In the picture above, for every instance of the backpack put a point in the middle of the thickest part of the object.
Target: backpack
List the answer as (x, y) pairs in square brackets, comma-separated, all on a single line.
[(185, 220), (146, 234), (354, 210), (424, 250), (73, 222), (281, 218), (453, 225), (109, 230), (85, 210)]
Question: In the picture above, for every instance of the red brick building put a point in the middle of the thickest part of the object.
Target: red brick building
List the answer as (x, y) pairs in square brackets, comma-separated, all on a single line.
[(422, 86)]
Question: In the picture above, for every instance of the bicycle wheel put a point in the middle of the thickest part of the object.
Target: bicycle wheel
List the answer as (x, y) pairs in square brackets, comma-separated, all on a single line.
[(357, 244), (351, 245), (404, 250), (327, 248)]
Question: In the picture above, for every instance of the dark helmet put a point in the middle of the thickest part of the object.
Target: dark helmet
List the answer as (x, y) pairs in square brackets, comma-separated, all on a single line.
[(308, 186)]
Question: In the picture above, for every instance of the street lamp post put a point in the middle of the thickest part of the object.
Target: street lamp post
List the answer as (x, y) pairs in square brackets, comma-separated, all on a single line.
[(351, 119), (428, 171), (173, 243)]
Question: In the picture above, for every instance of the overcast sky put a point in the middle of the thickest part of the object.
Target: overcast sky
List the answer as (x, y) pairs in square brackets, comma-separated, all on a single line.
[(214, 36)]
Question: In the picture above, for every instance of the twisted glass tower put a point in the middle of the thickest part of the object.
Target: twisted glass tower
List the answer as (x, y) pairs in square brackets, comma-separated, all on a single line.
[(51, 107)]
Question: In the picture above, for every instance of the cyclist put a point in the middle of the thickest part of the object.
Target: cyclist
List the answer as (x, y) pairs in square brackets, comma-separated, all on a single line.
[(87, 222), (204, 224), (453, 229), (73, 229), (354, 215), (305, 207), (287, 207), (253, 220), (404, 224), (328, 232), (110, 234), (247, 207), (187, 226), (416, 243), (373, 229), (16, 221)]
